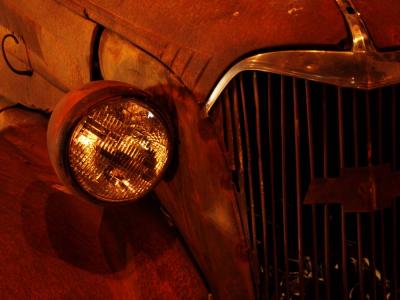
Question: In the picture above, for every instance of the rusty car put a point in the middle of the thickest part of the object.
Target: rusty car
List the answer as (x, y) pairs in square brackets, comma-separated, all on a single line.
[(267, 131)]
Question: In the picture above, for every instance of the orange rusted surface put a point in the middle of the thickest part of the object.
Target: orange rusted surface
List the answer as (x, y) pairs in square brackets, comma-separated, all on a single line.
[(54, 42), (121, 60), (198, 193), (198, 41)]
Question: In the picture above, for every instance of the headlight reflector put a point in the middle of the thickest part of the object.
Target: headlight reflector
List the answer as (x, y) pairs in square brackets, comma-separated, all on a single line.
[(106, 141), (118, 150)]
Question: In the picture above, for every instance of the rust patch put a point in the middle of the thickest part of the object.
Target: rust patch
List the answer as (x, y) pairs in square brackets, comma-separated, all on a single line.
[(22, 26)]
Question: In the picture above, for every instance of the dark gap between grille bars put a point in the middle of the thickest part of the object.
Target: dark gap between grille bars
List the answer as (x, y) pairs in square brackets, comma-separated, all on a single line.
[(341, 255)]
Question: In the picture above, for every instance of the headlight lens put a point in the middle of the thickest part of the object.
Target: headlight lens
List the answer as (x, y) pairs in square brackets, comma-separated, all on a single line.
[(108, 142), (118, 150)]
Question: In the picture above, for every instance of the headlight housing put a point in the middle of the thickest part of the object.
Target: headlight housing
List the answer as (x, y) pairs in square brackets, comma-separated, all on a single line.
[(108, 142)]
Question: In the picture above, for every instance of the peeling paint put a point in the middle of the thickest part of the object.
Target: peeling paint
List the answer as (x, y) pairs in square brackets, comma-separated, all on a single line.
[(295, 10)]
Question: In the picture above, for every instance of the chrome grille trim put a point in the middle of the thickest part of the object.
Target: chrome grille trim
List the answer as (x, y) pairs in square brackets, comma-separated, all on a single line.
[(360, 70), (363, 67)]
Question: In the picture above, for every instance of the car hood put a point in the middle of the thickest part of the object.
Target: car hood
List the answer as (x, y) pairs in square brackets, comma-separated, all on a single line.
[(200, 40)]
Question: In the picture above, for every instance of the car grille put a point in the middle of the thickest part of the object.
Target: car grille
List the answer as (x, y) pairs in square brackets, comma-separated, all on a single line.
[(280, 135)]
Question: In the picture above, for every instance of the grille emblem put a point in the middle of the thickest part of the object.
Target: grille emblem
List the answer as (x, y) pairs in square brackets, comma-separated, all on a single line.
[(365, 189)]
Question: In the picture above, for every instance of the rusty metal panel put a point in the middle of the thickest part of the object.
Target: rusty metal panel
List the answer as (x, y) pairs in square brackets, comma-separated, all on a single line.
[(34, 91), (198, 41), (5, 103), (200, 199), (58, 47), (120, 60)]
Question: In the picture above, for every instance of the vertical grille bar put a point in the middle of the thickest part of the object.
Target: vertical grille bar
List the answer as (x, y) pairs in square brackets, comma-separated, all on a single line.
[(273, 184), (343, 215), (227, 113), (373, 255), (394, 214), (298, 189), (355, 131), (233, 146), (341, 134), (380, 127), (326, 207), (314, 260), (368, 125), (237, 137), (395, 238), (360, 257), (261, 183), (383, 250), (371, 215), (358, 215), (284, 184), (382, 212), (247, 162), (239, 158)]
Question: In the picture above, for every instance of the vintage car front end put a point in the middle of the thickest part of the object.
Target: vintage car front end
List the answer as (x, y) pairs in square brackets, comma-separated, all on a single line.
[(267, 131)]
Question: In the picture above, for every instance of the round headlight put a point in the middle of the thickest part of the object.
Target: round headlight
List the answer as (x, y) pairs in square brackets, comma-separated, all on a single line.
[(107, 141)]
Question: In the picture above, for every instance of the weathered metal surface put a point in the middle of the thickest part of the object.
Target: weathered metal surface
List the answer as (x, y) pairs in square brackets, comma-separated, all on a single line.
[(5, 103), (382, 21), (58, 48), (55, 246), (28, 90), (198, 193), (28, 68), (204, 210), (122, 61), (205, 214), (198, 41)]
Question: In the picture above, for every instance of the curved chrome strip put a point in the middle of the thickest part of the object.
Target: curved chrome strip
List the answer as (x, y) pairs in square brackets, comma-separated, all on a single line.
[(359, 33), (363, 67)]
